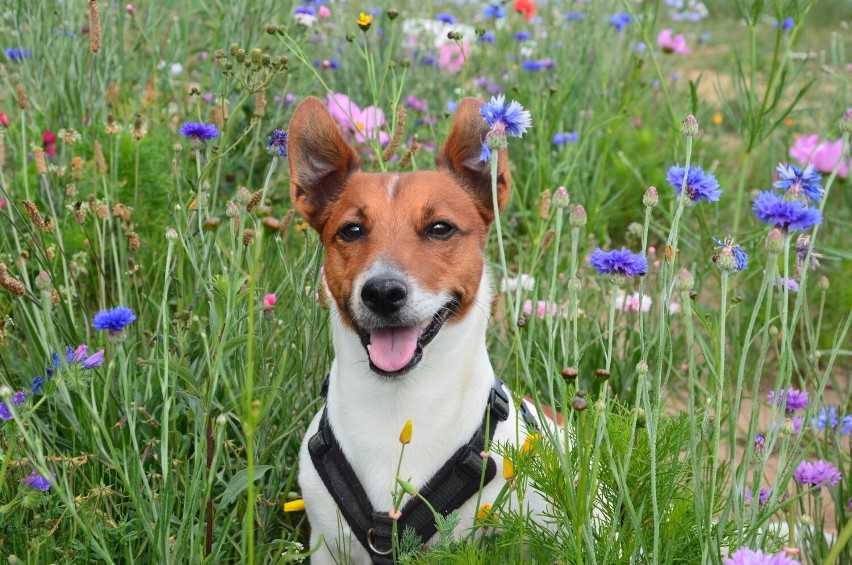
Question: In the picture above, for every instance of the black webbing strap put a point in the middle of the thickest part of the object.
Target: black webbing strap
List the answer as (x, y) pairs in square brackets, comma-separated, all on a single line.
[(454, 483)]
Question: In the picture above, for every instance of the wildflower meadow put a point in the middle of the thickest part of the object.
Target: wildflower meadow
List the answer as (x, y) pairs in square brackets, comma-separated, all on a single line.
[(671, 272)]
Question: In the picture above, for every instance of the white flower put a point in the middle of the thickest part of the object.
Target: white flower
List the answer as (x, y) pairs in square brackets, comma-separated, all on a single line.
[(630, 303), (175, 69), (526, 282)]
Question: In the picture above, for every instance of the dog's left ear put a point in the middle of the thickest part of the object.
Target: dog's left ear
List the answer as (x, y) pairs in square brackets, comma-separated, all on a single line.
[(460, 157)]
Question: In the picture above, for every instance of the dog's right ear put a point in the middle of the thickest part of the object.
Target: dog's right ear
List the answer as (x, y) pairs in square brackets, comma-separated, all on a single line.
[(320, 161)]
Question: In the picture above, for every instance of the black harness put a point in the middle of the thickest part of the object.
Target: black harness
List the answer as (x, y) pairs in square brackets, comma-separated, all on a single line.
[(454, 483)]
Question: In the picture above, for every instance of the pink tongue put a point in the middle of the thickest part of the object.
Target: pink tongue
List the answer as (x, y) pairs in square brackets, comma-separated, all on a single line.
[(391, 349)]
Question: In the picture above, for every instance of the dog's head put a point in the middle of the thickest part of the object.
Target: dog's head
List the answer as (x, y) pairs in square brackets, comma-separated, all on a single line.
[(404, 251)]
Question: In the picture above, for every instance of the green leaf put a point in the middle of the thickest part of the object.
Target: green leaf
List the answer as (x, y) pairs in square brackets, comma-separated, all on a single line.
[(239, 483)]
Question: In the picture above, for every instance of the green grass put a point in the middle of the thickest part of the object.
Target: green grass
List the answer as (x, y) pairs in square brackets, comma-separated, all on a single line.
[(663, 455)]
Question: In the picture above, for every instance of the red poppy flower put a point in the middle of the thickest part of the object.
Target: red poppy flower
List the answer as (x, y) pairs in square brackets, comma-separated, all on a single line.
[(527, 8)]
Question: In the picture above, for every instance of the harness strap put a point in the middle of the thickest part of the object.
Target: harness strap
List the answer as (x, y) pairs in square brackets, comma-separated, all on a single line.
[(451, 486)]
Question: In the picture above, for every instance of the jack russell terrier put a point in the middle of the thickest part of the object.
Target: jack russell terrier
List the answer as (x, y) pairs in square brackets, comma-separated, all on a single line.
[(406, 272)]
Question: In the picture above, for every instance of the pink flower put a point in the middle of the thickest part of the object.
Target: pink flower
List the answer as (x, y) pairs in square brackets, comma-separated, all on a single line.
[(323, 12), (823, 155), (353, 120), (451, 58), (2, 203), (670, 43), (131, 11), (630, 303), (541, 310), (269, 301), (4, 120)]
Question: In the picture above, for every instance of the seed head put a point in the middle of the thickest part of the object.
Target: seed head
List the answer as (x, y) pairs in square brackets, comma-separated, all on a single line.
[(94, 27), (23, 101)]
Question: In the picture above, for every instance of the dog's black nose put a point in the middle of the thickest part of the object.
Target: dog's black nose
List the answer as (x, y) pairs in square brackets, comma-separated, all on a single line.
[(384, 296)]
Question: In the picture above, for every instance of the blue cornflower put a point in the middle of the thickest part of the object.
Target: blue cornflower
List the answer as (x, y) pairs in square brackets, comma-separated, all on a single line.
[(533, 65), (38, 382), (277, 145), (819, 473), (575, 16), (495, 11), (306, 10), (114, 319), (797, 182), (793, 399), (503, 120), (5, 413), (452, 105), (199, 131), (787, 215), (36, 481), (786, 24), (731, 257), (446, 18), (19, 398), (563, 138), (17, 55), (846, 425), (699, 185), (762, 497), (487, 37), (746, 556), (428, 60), (332, 64), (827, 418), (522, 35), (620, 21), (619, 263)]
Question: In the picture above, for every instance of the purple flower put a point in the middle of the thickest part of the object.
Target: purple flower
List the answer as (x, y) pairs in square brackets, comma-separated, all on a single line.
[(487, 37), (787, 215), (532, 65), (762, 497), (797, 182), (277, 145), (19, 398), (36, 481), (93, 361), (745, 556), (495, 11), (5, 413), (786, 25), (114, 319), (563, 138), (699, 185), (17, 55), (504, 120), (522, 35), (827, 418), (797, 424), (446, 18), (791, 400), (199, 131), (79, 354), (306, 10), (819, 473), (791, 284), (621, 263), (575, 16), (731, 257), (760, 443), (620, 21), (54, 358)]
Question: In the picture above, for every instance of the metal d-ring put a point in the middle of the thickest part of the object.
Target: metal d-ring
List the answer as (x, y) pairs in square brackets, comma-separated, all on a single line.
[(373, 547)]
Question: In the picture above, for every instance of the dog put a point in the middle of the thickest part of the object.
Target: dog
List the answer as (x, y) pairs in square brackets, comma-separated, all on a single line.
[(410, 297)]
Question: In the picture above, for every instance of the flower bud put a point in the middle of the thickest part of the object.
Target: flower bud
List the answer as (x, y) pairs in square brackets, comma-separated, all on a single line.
[(42, 281), (823, 283), (690, 126), (569, 373), (775, 241), (684, 281), (393, 14), (405, 434), (846, 121), (560, 198), (580, 404), (294, 506), (602, 374), (508, 469), (171, 234), (407, 487), (577, 218), (642, 367), (650, 198)]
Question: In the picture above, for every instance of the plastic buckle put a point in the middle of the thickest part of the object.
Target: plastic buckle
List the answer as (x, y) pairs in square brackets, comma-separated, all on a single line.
[(470, 461), (499, 401)]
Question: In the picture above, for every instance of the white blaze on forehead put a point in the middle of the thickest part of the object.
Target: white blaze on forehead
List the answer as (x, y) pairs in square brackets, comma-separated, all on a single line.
[(392, 186)]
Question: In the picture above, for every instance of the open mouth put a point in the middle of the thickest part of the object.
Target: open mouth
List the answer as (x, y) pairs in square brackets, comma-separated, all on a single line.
[(395, 350)]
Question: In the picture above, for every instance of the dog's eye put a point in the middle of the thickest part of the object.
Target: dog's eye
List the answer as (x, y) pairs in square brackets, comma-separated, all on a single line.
[(352, 232), (441, 230)]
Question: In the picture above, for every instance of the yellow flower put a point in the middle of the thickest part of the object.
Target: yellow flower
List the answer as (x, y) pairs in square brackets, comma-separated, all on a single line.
[(529, 442), (294, 506), (508, 469), (364, 21), (405, 434), (717, 119), (484, 514)]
